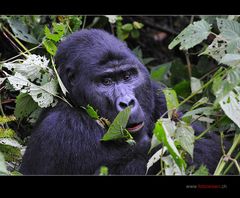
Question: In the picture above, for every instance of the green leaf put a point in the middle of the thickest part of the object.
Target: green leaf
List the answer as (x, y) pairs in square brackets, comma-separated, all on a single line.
[(163, 134), (20, 30), (137, 25), (50, 47), (25, 105), (5, 119), (91, 112), (127, 27), (103, 171), (202, 171), (58, 32), (154, 142), (192, 35), (135, 33), (43, 95), (117, 129), (185, 136), (3, 167), (7, 133), (172, 101), (10, 149), (230, 104), (158, 73), (196, 84), (202, 101)]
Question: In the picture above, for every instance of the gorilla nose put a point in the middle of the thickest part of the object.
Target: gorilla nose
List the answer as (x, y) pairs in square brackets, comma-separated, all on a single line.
[(125, 101)]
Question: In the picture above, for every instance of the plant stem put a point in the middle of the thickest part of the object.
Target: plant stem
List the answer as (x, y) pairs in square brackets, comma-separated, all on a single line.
[(222, 162), (21, 53), (189, 65), (19, 43), (84, 21), (230, 165)]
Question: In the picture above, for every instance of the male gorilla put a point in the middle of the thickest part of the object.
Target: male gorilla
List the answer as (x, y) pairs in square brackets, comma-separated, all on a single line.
[(99, 70)]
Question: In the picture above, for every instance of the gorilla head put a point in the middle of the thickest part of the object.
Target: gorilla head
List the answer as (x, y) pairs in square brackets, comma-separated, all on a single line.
[(100, 70)]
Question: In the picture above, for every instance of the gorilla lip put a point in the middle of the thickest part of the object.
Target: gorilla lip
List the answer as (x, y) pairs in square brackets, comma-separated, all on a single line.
[(135, 127)]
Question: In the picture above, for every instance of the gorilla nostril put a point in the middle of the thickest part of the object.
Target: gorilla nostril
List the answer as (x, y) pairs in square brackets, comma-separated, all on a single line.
[(123, 105), (132, 102)]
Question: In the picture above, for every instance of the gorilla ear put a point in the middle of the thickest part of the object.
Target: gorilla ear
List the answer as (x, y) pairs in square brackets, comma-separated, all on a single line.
[(71, 76)]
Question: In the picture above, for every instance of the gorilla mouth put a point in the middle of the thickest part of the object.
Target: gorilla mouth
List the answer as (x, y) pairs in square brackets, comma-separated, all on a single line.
[(135, 127)]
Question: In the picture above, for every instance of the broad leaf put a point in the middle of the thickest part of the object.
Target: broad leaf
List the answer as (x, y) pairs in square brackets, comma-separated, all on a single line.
[(7, 133), (25, 105), (43, 95), (229, 29), (20, 30), (202, 110), (217, 49), (50, 47), (231, 59), (3, 168), (5, 119), (203, 171), (117, 129), (171, 168), (156, 157), (158, 73), (196, 85), (185, 136), (172, 101), (231, 105), (192, 35), (30, 67), (163, 134), (58, 32)]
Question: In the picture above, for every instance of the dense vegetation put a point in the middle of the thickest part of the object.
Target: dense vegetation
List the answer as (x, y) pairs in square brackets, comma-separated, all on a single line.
[(202, 73)]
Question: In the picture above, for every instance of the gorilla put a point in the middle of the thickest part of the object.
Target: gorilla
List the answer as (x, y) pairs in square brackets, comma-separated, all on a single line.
[(100, 70)]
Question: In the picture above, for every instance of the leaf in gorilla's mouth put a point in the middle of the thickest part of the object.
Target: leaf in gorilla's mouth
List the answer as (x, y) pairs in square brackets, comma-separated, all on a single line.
[(135, 127)]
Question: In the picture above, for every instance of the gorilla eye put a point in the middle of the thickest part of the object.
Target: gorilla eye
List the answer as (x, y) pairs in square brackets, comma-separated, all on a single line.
[(127, 75), (107, 81)]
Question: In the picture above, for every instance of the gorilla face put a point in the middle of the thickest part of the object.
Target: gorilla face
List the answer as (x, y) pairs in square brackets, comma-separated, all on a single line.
[(101, 71)]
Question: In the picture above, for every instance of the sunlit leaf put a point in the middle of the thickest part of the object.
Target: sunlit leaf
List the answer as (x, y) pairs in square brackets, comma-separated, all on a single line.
[(192, 35), (5, 119), (117, 129), (172, 100), (185, 136), (231, 105), (30, 67), (196, 85), (43, 95), (231, 59), (202, 170), (171, 167), (156, 157), (7, 133), (163, 133)]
